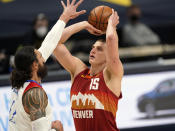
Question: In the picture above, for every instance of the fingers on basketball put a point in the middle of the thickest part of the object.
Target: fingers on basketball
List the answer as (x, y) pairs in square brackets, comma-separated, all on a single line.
[(99, 16)]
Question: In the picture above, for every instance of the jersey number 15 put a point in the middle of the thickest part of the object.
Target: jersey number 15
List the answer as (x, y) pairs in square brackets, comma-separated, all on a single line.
[(94, 84)]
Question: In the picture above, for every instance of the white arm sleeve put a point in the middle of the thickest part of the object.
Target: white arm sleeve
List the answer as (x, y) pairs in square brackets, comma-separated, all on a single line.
[(51, 40), (42, 124)]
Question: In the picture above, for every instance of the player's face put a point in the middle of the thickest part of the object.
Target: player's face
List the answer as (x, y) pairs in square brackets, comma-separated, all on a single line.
[(39, 57), (97, 53), (42, 69)]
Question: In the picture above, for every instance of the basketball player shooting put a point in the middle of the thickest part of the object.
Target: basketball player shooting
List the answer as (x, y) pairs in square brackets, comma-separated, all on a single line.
[(29, 106), (96, 90)]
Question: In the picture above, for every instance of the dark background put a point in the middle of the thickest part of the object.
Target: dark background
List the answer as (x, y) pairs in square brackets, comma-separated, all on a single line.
[(16, 17)]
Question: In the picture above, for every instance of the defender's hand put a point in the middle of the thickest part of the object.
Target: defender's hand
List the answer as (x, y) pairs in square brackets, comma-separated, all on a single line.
[(70, 10), (57, 125)]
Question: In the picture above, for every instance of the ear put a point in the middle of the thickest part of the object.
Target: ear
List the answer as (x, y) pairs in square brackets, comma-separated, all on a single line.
[(35, 66)]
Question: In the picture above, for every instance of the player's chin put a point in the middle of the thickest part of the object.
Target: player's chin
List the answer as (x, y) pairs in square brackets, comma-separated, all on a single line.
[(90, 61)]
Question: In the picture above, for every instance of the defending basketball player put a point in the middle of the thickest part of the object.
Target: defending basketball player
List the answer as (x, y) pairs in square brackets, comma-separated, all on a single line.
[(96, 90), (29, 106)]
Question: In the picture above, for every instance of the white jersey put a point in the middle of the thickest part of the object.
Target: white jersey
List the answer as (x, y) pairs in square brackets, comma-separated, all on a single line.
[(19, 120)]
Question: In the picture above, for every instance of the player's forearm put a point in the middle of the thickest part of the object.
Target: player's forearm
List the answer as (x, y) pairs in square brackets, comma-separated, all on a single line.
[(51, 40), (111, 33), (113, 62), (112, 38), (70, 30)]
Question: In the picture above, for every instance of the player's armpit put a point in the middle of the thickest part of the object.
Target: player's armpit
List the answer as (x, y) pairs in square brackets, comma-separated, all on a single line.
[(34, 102)]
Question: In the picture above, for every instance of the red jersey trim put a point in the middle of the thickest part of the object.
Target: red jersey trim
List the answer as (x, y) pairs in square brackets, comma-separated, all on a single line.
[(79, 74), (32, 85)]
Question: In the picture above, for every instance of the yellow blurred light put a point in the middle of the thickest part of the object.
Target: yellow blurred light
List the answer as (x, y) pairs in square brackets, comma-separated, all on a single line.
[(6, 1), (120, 2)]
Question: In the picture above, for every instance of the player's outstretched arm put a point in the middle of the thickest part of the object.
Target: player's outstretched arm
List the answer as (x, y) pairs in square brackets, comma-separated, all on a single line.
[(114, 65), (77, 27), (51, 40), (69, 62), (34, 102)]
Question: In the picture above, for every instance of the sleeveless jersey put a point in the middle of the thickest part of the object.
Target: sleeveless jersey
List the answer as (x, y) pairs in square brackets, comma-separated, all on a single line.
[(93, 104), (19, 120)]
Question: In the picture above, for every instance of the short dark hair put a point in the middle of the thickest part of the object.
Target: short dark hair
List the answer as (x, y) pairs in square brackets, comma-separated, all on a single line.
[(24, 59), (102, 40)]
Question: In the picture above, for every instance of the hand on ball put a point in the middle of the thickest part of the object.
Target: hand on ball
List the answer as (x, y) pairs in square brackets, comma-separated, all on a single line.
[(113, 19), (93, 30)]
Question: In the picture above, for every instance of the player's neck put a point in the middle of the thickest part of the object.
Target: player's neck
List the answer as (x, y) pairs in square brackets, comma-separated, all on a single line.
[(94, 70), (36, 78)]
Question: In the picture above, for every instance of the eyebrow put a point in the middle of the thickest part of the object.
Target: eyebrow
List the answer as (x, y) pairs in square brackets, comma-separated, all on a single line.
[(97, 46)]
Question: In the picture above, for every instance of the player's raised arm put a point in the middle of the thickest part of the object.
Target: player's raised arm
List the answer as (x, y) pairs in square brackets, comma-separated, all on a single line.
[(69, 62), (52, 38), (114, 65)]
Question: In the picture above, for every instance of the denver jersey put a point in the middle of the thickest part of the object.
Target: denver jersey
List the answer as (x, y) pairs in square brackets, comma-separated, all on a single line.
[(19, 120), (93, 104)]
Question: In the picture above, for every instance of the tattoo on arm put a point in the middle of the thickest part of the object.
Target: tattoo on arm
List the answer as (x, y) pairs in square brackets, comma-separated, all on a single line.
[(34, 102)]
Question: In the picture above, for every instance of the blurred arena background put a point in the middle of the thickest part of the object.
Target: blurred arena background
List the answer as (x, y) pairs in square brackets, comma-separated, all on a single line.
[(148, 86)]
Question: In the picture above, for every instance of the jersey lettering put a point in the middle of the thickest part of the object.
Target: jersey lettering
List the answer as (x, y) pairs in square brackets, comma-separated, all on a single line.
[(94, 84)]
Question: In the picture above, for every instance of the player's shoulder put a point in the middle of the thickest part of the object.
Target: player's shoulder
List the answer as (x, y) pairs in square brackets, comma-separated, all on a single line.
[(34, 97), (33, 91), (80, 66), (34, 88), (117, 74)]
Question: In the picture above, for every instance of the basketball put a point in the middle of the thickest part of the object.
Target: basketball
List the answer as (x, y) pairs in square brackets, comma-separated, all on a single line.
[(99, 16)]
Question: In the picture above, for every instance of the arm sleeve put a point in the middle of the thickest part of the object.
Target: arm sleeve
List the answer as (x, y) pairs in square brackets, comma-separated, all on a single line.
[(50, 42), (42, 124)]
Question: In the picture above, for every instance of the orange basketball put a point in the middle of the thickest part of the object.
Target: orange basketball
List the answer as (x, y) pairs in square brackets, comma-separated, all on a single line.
[(99, 16)]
